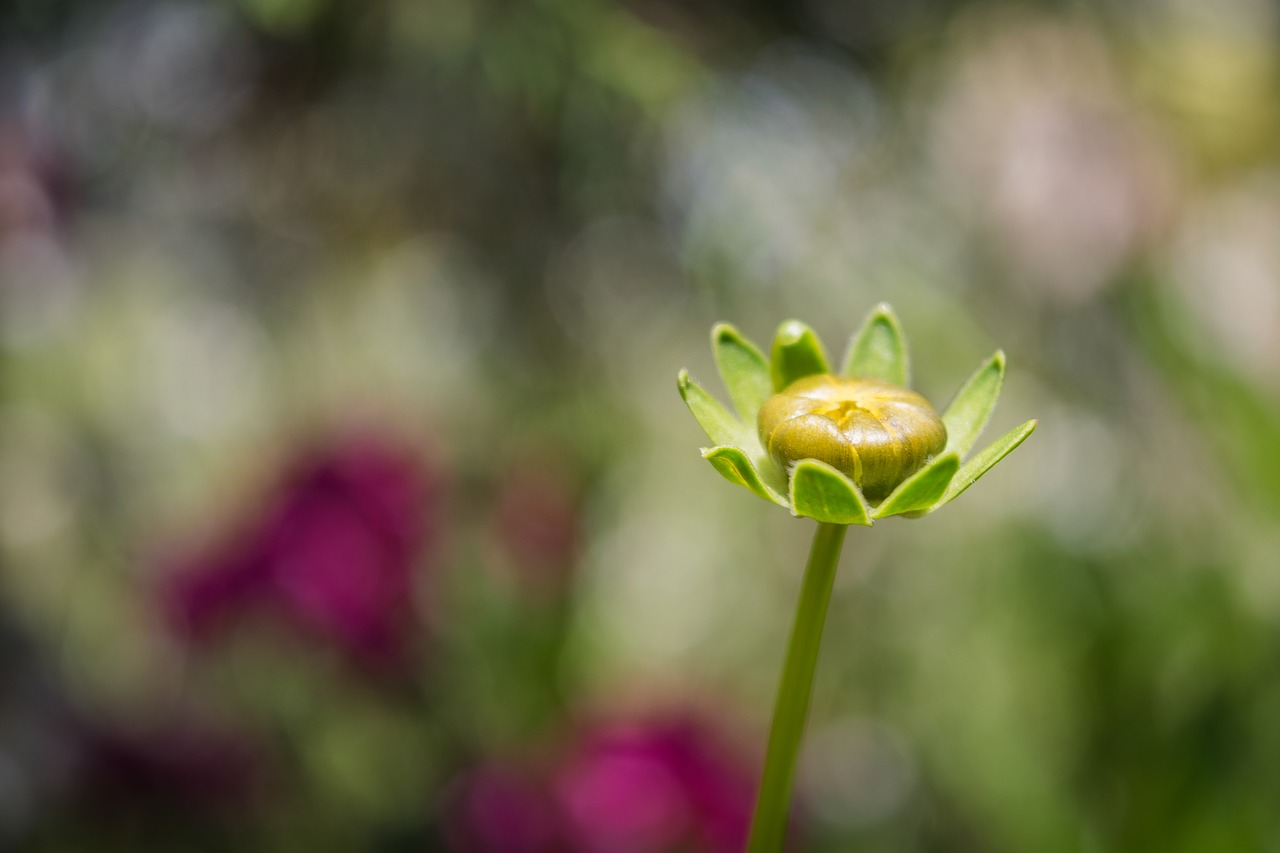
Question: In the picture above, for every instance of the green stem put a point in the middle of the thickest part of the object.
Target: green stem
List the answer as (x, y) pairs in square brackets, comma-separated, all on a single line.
[(791, 708)]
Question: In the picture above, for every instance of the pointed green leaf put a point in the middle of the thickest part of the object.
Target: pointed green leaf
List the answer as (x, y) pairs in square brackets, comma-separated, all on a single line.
[(820, 492), (734, 465), (879, 349), (922, 489), (797, 353), (967, 414), (982, 463), (744, 370), (720, 426)]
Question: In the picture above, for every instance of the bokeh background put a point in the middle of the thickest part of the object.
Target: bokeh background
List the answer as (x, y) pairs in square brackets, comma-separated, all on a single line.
[(347, 501)]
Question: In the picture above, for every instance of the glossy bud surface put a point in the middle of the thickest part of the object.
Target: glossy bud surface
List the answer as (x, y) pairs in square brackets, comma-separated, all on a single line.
[(875, 433)]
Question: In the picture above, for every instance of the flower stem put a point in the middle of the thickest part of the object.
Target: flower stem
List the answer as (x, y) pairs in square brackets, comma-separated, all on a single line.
[(791, 708)]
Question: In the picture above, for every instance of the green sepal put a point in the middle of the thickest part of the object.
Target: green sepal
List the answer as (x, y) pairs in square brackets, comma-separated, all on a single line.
[(715, 420), (921, 490), (734, 465), (796, 353), (820, 492), (982, 463), (968, 412), (744, 370), (879, 349)]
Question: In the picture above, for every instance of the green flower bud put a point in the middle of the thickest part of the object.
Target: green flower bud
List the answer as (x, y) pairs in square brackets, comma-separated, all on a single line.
[(824, 443), (876, 433)]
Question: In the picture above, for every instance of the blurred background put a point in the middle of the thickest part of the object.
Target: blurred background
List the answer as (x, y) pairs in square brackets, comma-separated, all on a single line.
[(347, 501)]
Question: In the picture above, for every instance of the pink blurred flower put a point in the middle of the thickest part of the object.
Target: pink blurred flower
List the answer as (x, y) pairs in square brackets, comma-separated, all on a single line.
[(1037, 137), (34, 184), (333, 552), (655, 787)]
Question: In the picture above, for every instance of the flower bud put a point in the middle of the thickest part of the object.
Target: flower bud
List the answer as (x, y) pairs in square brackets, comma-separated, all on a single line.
[(875, 433)]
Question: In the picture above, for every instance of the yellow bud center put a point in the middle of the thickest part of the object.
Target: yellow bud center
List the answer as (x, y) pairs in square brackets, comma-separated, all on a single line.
[(876, 433)]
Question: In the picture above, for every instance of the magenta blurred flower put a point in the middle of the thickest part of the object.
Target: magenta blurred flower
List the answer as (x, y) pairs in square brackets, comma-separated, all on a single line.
[(499, 808), (650, 788), (671, 786), (333, 552)]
